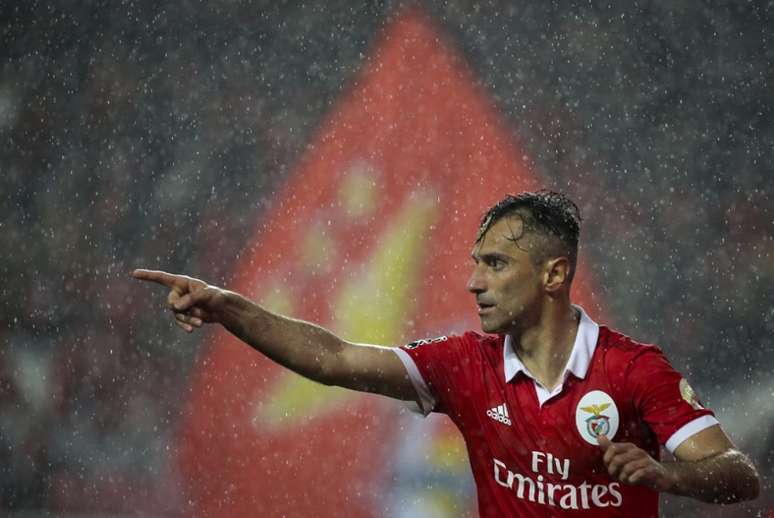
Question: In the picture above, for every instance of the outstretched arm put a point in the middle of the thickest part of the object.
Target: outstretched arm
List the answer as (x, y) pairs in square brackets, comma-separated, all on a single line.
[(709, 468), (305, 348)]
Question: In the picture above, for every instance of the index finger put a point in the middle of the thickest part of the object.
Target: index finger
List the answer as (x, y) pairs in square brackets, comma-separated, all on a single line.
[(165, 279), (604, 442)]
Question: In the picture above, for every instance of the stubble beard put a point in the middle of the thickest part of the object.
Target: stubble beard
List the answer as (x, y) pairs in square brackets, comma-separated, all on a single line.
[(497, 327)]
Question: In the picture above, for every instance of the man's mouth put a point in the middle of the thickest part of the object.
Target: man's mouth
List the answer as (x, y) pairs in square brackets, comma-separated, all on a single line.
[(484, 308)]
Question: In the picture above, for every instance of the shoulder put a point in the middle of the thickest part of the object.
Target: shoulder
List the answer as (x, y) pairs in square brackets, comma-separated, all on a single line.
[(467, 343), (627, 361), (618, 347), (639, 367), (479, 340), (468, 340), (428, 341), (484, 345), (466, 348)]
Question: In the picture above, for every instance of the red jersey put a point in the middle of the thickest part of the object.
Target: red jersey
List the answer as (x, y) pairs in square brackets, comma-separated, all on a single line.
[(534, 452)]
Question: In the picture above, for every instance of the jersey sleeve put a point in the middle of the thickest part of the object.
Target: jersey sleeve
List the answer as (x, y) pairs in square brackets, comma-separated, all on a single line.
[(433, 366), (665, 400)]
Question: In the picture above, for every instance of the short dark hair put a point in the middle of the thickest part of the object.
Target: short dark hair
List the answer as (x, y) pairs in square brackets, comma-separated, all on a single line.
[(548, 213)]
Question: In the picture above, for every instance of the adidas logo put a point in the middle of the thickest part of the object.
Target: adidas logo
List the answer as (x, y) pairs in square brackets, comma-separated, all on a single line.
[(499, 413)]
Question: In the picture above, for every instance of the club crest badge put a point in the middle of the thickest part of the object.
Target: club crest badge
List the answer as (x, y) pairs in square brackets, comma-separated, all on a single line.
[(595, 415), (688, 394)]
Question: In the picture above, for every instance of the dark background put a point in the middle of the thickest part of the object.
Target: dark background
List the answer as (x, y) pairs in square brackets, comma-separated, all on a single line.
[(141, 133)]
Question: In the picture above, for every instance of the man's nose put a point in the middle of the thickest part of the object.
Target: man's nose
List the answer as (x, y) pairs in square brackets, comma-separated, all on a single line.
[(476, 282)]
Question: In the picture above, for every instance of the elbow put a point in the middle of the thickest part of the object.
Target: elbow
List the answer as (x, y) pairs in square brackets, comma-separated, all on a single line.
[(747, 487), (753, 487), (750, 492)]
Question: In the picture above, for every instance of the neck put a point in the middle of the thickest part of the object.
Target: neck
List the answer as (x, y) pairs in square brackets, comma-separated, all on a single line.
[(545, 347)]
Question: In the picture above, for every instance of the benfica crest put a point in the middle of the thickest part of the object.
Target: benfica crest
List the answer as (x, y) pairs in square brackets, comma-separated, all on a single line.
[(597, 424), (595, 415)]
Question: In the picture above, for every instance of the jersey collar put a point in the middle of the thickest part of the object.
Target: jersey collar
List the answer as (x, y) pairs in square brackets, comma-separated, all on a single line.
[(580, 357)]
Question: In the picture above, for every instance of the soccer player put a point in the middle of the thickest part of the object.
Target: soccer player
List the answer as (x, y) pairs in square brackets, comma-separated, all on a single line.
[(560, 415)]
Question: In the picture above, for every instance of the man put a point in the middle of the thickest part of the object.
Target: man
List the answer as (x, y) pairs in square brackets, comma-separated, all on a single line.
[(561, 416)]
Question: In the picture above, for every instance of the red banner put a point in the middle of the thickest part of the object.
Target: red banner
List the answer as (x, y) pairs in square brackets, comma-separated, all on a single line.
[(371, 237)]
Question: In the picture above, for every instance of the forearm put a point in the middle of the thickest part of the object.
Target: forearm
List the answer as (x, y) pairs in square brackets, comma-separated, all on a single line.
[(724, 478), (303, 347)]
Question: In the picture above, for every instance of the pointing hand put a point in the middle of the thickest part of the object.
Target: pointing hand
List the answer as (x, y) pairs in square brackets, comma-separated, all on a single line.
[(191, 300)]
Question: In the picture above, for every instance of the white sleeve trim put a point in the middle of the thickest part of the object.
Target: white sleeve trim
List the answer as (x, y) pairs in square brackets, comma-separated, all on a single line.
[(689, 429), (426, 399)]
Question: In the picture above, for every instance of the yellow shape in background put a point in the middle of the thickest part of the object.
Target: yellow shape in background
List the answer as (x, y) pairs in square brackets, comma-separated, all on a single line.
[(448, 452), (372, 306), (357, 194), (375, 308), (318, 250), (278, 299)]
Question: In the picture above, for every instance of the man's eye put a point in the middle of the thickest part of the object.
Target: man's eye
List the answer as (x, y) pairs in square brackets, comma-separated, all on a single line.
[(496, 264)]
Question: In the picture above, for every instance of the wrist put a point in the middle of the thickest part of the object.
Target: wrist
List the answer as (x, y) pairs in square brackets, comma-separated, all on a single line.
[(239, 313), (227, 306), (673, 479)]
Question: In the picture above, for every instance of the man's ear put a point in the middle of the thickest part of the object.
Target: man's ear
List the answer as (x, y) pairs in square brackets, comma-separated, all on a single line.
[(557, 274)]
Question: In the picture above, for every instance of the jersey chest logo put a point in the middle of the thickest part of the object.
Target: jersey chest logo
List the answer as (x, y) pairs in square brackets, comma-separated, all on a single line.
[(595, 415)]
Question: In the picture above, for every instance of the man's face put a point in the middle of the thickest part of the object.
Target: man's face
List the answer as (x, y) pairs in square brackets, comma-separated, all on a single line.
[(505, 281)]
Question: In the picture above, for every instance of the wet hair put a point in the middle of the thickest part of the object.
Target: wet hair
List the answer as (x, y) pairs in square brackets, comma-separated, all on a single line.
[(546, 213)]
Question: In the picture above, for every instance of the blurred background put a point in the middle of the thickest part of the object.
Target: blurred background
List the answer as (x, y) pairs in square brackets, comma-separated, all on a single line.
[(199, 137)]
